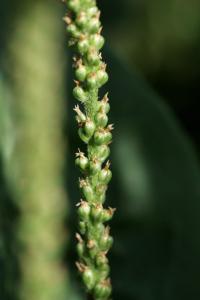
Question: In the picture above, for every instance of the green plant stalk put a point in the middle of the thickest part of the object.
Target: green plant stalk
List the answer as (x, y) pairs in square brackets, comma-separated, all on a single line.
[(94, 240)]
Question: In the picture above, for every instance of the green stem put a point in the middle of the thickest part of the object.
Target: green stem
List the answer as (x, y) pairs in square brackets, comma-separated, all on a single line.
[(94, 240)]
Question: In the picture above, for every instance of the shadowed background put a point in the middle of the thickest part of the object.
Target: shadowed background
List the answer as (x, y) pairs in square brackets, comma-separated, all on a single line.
[(152, 52)]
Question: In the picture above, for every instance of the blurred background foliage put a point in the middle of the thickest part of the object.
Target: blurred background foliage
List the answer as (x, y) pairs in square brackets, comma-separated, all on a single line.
[(153, 60)]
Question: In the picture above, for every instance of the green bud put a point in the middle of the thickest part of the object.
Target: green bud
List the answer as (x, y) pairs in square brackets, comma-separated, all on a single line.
[(92, 81), (102, 290), (74, 5), (89, 127), (97, 41), (101, 119), (105, 175), (83, 136), (83, 210), (87, 190), (92, 11), (89, 279), (94, 25), (102, 77), (80, 94), (82, 19), (83, 46), (80, 248), (94, 166), (103, 152), (81, 73), (73, 31), (96, 212), (101, 260), (106, 240), (93, 57), (102, 137), (82, 227), (93, 249), (82, 162), (107, 214), (104, 105)]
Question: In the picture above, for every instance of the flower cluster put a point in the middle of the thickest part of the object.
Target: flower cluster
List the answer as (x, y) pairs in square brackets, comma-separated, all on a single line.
[(94, 240)]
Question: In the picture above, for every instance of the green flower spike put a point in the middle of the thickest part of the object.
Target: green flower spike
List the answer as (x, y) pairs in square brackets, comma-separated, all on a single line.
[(94, 241)]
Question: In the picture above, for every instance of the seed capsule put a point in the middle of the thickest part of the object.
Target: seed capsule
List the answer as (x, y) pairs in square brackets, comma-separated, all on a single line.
[(104, 104), (96, 212), (83, 46), (103, 152), (93, 57), (83, 210), (105, 174), (87, 190), (74, 5), (82, 20), (80, 94), (97, 41), (89, 278), (92, 81), (89, 127), (94, 166), (106, 240), (81, 73), (102, 137), (101, 119), (101, 260), (73, 31), (81, 161), (82, 227), (94, 25), (80, 248), (102, 290), (107, 214), (102, 77), (83, 136)]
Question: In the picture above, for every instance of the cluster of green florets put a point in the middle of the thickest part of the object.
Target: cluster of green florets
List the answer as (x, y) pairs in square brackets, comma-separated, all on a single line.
[(94, 240)]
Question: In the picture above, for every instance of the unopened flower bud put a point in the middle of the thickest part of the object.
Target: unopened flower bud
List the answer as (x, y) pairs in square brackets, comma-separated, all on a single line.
[(82, 227), (80, 248), (89, 127), (80, 94), (103, 152), (81, 161), (94, 166), (83, 210), (105, 174), (74, 5), (73, 30), (83, 136), (102, 77), (96, 212), (102, 137), (81, 73), (97, 41), (94, 25), (89, 278), (104, 104), (102, 290), (93, 57), (92, 81), (107, 214), (83, 46), (87, 190), (82, 19), (106, 240), (101, 119)]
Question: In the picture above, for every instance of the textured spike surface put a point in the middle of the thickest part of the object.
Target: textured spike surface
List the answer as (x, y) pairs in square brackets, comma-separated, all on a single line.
[(94, 240)]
